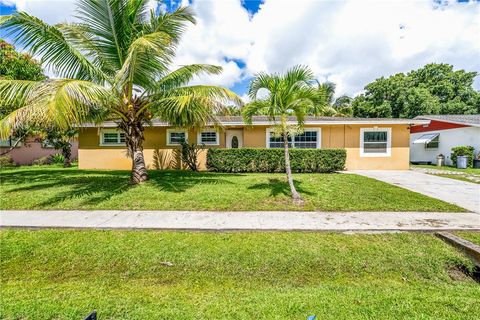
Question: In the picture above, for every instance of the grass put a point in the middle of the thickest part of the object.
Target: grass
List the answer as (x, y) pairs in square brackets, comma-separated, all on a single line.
[(457, 177), (472, 171), (125, 275), (59, 188), (465, 172), (471, 236)]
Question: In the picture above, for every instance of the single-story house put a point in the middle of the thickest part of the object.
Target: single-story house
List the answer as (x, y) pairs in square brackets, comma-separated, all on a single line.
[(370, 143), (444, 132), (24, 153)]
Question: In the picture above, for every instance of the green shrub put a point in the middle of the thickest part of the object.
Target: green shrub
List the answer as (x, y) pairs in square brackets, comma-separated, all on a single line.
[(41, 161), (56, 158), (273, 160), (463, 151), (6, 161)]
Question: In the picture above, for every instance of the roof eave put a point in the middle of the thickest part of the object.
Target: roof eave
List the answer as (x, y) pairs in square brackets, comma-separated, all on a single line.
[(112, 124)]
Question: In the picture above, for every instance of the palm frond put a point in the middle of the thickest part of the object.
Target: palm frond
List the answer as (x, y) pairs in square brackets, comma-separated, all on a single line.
[(49, 43), (79, 36), (193, 105), (107, 20), (183, 75), (174, 24), (262, 81), (147, 57), (16, 92), (253, 108), (60, 102)]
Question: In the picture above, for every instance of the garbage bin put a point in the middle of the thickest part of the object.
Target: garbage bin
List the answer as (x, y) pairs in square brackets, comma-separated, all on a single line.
[(462, 162), (440, 160)]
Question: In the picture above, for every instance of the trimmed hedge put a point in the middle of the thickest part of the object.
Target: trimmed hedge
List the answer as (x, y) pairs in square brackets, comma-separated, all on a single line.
[(462, 151), (273, 160)]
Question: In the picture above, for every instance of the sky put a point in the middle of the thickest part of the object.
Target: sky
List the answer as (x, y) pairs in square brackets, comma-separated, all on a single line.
[(350, 42)]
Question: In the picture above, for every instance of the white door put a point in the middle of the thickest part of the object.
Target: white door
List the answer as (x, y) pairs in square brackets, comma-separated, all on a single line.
[(234, 138)]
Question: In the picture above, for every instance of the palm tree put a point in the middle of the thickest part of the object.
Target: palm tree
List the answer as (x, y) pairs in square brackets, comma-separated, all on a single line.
[(287, 94), (112, 64), (325, 103)]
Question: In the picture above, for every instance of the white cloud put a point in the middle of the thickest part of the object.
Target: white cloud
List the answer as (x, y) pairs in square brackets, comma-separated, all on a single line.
[(348, 42)]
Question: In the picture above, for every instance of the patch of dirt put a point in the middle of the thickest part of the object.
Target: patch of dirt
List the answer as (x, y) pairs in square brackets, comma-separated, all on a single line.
[(457, 274), (461, 273)]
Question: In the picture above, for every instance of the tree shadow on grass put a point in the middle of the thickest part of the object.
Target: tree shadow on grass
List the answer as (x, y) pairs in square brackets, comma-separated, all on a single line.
[(279, 187), (96, 186), (181, 181)]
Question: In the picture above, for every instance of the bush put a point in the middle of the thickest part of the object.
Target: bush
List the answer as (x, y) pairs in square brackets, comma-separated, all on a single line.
[(6, 161), (463, 151), (56, 158), (41, 161), (273, 160), (189, 154)]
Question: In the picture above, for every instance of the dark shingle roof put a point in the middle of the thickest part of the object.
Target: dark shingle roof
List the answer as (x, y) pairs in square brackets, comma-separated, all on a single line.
[(467, 119)]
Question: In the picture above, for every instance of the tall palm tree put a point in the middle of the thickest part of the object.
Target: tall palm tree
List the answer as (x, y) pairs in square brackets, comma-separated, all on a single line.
[(112, 64), (287, 94), (325, 103)]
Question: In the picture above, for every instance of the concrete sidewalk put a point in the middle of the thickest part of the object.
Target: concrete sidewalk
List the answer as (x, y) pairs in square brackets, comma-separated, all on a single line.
[(463, 194), (191, 220)]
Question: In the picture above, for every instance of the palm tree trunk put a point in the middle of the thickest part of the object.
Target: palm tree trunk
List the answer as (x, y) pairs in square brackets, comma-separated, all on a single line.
[(295, 195), (139, 170), (134, 139)]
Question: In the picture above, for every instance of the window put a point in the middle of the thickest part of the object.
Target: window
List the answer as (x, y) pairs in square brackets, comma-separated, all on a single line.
[(276, 141), (175, 137), (375, 142), (310, 138), (433, 144), (10, 142), (429, 140), (208, 137), (112, 137)]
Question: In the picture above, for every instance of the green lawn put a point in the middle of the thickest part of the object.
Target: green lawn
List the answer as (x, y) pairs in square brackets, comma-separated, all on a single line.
[(466, 172), (473, 237), (457, 177), (58, 188), (271, 275), (448, 168)]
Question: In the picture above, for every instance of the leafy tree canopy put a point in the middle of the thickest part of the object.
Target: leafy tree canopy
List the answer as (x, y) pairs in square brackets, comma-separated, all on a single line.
[(16, 66), (433, 89)]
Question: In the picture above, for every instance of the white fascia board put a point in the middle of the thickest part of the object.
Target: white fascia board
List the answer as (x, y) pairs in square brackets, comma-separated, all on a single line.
[(112, 124)]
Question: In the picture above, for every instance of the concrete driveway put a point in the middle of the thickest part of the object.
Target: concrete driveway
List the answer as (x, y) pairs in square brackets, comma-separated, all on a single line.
[(463, 194)]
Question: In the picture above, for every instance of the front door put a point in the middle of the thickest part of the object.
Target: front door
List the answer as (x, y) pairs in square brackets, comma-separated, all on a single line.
[(234, 139)]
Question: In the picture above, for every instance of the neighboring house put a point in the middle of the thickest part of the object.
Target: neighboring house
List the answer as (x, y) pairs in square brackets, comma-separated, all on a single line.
[(443, 133), (370, 143), (26, 153)]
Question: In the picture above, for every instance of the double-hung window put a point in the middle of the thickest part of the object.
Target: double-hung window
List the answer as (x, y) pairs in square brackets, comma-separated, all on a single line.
[(208, 137), (309, 138), (375, 142), (112, 137), (175, 137)]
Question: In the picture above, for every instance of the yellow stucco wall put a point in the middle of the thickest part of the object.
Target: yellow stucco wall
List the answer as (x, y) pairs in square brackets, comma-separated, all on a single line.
[(160, 156)]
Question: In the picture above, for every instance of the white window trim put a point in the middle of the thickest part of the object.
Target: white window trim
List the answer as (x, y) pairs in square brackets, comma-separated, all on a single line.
[(217, 137), (175, 130), (110, 143), (433, 149), (373, 155), (319, 137)]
